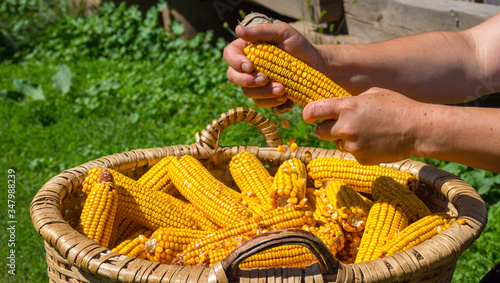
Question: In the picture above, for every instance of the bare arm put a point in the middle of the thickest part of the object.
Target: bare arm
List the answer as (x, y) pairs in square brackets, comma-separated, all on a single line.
[(437, 67)]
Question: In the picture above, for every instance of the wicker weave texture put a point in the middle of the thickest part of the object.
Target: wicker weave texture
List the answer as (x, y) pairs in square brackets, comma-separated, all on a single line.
[(71, 257)]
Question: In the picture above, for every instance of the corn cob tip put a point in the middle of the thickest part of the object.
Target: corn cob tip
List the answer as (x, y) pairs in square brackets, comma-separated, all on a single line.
[(106, 175)]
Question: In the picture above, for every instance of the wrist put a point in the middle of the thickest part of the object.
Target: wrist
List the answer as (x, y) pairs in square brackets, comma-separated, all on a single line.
[(430, 134)]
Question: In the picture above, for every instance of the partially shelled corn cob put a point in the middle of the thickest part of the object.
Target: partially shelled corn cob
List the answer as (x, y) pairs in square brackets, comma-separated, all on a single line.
[(351, 208), (133, 246), (357, 176), (348, 254), (385, 220), (205, 192), (320, 214), (166, 244), (302, 83), (289, 185), (331, 234)]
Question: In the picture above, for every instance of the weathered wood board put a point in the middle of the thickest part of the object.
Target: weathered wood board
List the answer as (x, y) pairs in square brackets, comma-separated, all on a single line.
[(380, 20)]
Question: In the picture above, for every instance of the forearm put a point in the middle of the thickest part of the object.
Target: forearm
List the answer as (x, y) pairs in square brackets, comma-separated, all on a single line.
[(438, 67), (465, 135)]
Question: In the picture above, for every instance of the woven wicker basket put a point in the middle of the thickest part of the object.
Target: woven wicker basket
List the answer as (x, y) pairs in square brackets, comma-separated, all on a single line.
[(71, 257)]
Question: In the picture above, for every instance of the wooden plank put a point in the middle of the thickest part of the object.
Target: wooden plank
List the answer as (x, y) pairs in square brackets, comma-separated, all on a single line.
[(379, 20)]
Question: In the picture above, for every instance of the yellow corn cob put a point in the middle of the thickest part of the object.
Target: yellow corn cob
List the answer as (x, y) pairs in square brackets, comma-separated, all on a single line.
[(316, 204), (324, 206), (92, 178), (385, 220), (156, 178), (149, 208), (289, 256), (141, 193), (357, 176), (417, 232), (413, 207), (292, 216), (134, 245), (251, 177), (350, 206), (153, 210), (302, 83), (289, 185), (205, 192), (166, 244), (99, 213), (202, 221)]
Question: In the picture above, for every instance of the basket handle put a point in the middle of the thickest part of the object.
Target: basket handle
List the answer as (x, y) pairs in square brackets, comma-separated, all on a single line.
[(329, 265), (209, 137)]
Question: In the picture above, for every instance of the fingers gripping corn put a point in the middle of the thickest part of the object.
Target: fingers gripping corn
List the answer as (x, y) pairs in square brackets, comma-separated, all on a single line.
[(302, 83)]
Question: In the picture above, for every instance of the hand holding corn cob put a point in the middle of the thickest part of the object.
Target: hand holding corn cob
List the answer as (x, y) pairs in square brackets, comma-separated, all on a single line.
[(255, 84)]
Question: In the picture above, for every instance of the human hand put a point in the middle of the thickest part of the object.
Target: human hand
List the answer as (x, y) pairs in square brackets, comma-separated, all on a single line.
[(254, 84), (376, 126)]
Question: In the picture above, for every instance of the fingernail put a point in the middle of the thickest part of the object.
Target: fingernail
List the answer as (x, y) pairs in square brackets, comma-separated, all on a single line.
[(281, 99), (276, 91), (246, 67), (260, 80)]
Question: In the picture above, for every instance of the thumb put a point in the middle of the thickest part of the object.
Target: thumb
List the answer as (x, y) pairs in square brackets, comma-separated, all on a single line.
[(324, 109)]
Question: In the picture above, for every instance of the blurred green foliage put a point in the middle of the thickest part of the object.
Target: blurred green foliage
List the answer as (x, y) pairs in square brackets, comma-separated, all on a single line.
[(23, 22)]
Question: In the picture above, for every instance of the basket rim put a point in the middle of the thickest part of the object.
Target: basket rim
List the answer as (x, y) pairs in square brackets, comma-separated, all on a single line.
[(87, 255)]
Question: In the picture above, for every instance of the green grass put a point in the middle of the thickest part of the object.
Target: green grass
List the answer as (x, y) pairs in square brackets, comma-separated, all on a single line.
[(82, 94)]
